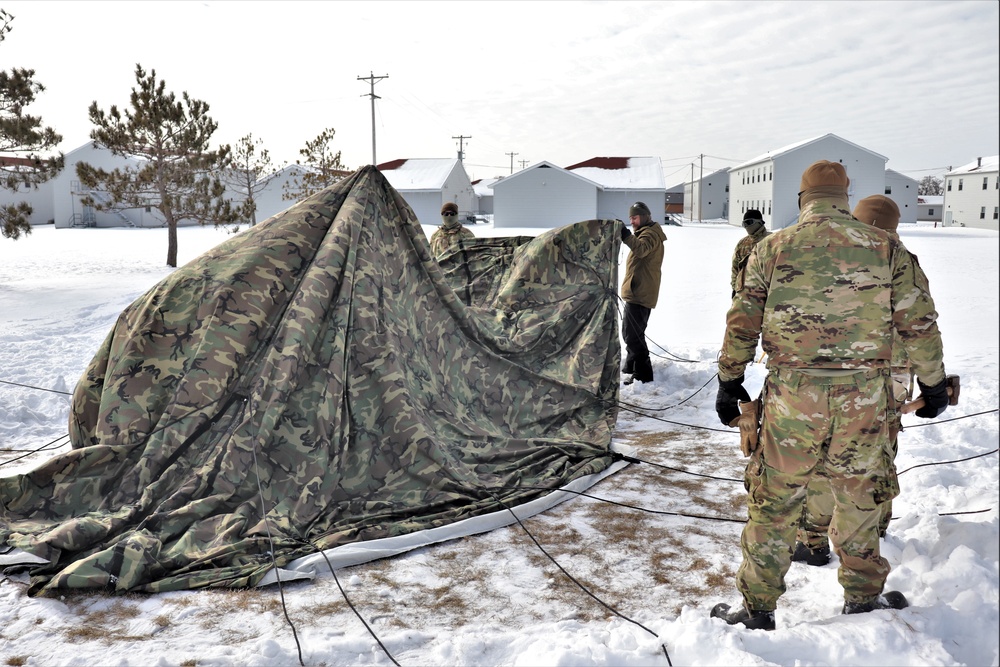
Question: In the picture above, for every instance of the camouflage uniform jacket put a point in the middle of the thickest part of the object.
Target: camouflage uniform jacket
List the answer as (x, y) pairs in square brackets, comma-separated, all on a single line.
[(742, 254), (448, 235), (641, 284), (827, 293)]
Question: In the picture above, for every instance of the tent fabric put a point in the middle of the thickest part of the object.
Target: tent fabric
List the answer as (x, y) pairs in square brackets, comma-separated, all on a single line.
[(319, 380)]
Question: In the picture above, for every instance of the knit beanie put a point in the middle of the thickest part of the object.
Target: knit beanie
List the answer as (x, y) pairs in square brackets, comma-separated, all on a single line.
[(753, 221), (823, 180), (638, 208), (878, 210), (449, 207)]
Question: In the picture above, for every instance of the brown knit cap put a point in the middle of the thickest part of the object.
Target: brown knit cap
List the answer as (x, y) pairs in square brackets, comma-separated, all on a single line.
[(878, 210), (449, 206), (824, 174)]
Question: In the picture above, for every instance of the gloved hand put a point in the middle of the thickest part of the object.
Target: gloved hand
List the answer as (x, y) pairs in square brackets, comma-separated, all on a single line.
[(935, 399), (727, 401), (626, 232)]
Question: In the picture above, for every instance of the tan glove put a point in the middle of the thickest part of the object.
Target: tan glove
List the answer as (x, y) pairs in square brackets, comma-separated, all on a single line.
[(749, 425)]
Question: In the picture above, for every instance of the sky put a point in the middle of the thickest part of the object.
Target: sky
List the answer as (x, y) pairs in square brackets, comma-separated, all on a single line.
[(495, 599), (702, 85)]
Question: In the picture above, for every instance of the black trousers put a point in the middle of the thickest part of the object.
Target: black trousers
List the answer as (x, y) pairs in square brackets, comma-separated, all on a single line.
[(637, 361)]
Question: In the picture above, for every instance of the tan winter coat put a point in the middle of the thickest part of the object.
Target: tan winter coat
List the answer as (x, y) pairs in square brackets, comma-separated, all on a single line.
[(642, 268)]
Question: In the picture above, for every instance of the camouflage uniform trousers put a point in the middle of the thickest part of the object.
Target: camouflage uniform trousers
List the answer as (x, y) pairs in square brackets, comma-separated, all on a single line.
[(819, 498), (835, 425)]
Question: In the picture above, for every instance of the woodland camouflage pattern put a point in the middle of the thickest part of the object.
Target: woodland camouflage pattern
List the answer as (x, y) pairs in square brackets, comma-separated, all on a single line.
[(324, 355)]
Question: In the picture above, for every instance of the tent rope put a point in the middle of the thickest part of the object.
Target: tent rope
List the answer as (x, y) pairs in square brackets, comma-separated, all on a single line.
[(571, 578)]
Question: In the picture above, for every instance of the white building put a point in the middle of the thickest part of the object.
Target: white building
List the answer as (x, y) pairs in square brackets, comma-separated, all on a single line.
[(483, 188), (544, 195), (707, 198), (903, 190), (427, 183), (770, 182), (972, 194), (624, 181), (929, 207)]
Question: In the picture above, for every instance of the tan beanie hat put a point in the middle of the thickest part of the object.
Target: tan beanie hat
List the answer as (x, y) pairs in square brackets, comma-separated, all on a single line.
[(824, 174), (878, 210)]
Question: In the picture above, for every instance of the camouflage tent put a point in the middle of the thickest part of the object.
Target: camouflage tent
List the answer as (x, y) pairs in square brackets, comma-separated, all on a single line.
[(319, 380)]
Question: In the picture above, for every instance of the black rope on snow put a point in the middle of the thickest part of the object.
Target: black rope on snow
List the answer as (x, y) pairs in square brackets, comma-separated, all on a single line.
[(25, 454), (681, 470), (322, 553), (943, 421), (674, 356), (939, 463), (669, 407), (28, 386), (270, 539), (571, 578)]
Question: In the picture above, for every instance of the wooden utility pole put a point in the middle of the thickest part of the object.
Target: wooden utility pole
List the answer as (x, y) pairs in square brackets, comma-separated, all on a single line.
[(512, 160), (372, 80), (701, 178), (461, 146), (522, 163)]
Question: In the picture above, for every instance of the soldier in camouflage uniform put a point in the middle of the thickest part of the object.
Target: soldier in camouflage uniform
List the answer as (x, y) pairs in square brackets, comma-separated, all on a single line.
[(450, 233), (753, 223), (824, 297)]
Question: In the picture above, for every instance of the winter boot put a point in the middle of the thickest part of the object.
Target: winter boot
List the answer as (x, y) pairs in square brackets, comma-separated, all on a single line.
[(753, 620), (890, 600), (629, 380), (817, 557), (643, 370)]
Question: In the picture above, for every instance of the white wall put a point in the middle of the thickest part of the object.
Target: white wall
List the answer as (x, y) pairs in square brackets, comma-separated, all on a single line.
[(67, 195), (40, 200), (543, 197), (902, 190), (614, 204), (972, 206)]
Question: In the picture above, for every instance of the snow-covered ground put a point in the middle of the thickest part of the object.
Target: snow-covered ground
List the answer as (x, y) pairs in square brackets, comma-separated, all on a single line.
[(497, 598)]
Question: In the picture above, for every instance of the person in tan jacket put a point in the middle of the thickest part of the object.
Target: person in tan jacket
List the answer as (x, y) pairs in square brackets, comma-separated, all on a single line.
[(640, 288)]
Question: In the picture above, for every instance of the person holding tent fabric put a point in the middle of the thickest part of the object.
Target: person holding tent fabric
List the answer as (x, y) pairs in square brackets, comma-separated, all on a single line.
[(824, 298), (640, 288), (753, 223), (451, 232)]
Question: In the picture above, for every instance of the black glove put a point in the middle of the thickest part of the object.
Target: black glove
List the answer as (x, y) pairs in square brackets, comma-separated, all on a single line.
[(626, 232), (935, 399), (727, 401)]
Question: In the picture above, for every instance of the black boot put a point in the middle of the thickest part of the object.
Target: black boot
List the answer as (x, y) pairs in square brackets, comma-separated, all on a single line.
[(817, 557), (890, 600), (753, 620)]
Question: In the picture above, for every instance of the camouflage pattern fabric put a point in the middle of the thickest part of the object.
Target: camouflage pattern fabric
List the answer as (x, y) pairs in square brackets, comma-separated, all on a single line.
[(741, 254), (316, 381), (849, 439), (449, 235), (823, 295), (476, 268)]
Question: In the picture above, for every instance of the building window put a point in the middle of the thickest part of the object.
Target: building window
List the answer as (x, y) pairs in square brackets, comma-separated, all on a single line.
[(888, 189), (930, 211), (960, 182), (996, 211), (949, 185), (986, 180), (727, 187), (982, 212)]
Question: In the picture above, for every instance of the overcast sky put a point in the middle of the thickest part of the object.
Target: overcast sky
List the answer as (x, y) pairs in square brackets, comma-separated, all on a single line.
[(917, 82)]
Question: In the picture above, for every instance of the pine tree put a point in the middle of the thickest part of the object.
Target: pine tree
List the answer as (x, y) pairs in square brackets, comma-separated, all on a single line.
[(22, 134), (244, 175), (177, 174), (321, 168)]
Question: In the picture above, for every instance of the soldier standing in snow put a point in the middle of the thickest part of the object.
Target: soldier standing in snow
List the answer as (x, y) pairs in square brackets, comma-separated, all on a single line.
[(640, 288), (824, 297), (450, 233), (753, 223)]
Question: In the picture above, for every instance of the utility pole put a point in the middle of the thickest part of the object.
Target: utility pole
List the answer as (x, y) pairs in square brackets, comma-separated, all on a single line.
[(522, 163), (701, 178), (512, 160), (692, 191), (372, 80), (461, 152)]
